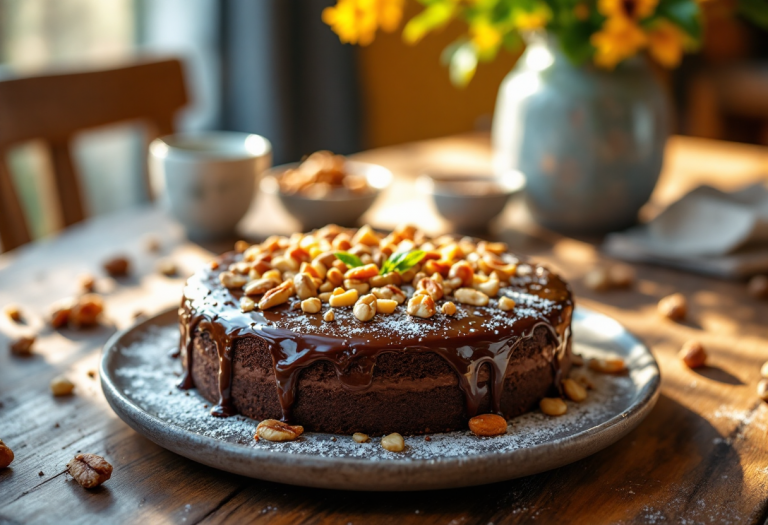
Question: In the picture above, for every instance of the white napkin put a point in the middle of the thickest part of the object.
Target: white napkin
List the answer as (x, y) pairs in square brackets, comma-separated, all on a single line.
[(707, 231)]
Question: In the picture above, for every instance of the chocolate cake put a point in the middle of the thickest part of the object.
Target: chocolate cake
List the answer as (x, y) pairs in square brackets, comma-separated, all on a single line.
[(434, 331)]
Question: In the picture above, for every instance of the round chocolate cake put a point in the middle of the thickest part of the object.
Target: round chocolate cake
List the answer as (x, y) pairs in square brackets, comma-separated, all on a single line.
[(347, 331)]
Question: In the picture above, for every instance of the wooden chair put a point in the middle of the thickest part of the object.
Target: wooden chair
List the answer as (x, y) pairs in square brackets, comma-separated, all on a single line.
[(54, 108)]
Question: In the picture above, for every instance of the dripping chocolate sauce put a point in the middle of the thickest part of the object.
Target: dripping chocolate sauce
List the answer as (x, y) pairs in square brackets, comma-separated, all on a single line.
[(465, 348)]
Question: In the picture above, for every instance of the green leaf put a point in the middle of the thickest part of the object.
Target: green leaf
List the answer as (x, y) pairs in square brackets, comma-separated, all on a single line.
[(755, 11), (353, 261), (435, 16), (686, 14), (402, 261), (574, 41)]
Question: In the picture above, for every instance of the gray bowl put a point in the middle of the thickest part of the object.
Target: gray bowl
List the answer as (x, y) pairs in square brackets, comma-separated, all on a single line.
[(469, 210), (341, 209)]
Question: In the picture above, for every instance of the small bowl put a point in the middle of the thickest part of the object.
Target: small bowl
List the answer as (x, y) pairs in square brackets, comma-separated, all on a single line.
[(336, 208), (470, 202)]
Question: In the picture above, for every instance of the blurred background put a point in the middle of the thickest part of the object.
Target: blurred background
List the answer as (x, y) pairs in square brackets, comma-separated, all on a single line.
[(272, 67)]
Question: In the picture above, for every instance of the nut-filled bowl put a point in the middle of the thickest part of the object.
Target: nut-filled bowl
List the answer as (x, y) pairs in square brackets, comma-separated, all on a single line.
[(321, 206)]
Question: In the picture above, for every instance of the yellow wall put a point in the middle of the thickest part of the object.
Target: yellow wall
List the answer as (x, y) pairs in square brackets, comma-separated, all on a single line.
[(407, 95)]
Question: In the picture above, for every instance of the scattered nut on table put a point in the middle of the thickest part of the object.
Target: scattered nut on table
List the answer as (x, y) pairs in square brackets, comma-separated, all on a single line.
[(274, 430), (612, 277), (359, 437), (488, 425), (13, 312), (574, 391), (87, 283), (393, 442), (6, 455), (117, 266), (167, 268), (61, 386), (608, 366), (674, 307), (693, 355), (553, 406), (22, 346), (89, 470), (758, 287), (762, 389), (86, 311)]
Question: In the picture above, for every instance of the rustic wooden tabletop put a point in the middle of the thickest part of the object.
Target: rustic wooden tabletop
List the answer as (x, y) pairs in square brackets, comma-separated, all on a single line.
[(700, 457)]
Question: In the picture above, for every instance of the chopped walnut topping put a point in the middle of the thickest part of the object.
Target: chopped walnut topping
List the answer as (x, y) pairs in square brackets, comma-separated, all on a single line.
[(277, 296), (311, 305), (365, 307), (89, 470), (422, 305), (448, 308), (328, 316), (304, 285), (232, 280), (247, 304), (471, 297), (506, 303)]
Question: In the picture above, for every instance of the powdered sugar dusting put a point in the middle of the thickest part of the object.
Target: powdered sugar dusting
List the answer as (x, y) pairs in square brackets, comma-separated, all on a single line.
[(147, 376)]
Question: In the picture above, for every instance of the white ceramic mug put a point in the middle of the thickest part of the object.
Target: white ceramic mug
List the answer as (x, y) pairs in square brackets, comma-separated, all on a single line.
[(208, 179)]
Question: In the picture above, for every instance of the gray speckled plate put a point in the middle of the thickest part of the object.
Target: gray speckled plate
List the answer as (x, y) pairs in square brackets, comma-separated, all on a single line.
[(138, 379)]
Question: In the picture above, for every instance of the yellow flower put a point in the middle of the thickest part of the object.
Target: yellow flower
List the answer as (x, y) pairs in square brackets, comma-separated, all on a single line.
[(485, 36), (627, 9), (531, 20), (665, 43), (619, 38), (356, 21)]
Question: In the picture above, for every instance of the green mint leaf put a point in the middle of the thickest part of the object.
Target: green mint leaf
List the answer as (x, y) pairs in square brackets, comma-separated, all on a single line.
[(410, 260), (353, 261)]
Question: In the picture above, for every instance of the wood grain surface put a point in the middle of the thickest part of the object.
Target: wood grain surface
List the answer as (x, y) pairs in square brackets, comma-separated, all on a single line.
[(700, 457)]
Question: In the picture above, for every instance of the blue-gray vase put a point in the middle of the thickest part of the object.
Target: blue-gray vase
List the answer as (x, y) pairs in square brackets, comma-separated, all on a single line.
[(589, 141)]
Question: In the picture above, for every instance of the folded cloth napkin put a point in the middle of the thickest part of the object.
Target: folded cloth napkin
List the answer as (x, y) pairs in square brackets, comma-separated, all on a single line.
[(707, 231)]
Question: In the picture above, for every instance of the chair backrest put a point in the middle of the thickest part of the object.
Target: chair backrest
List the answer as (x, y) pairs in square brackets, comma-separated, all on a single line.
[(54, 108)]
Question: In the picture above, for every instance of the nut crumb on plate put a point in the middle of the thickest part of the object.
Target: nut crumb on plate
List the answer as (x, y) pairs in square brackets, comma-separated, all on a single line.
[(274, 430), (488, 425), (393, 442), (117, 266), (553, 406), (359, 437), (608, 366), (574, 391)]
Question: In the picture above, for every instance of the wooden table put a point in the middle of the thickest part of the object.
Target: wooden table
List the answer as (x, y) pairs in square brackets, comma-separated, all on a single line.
[(700, 457)]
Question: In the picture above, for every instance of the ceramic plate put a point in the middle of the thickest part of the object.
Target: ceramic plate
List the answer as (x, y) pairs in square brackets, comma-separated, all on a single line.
[(138, 379)]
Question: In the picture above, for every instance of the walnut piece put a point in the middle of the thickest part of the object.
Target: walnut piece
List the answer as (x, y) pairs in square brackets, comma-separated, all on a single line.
[(89, 470), (674, 307), (311, 305), (6, 455), (553, 406), (359, 437), (471, 296), (117, 266), (448, 308), (421, 305), (61, 386), (365, 307), (274, 430), (393, 442), (574, 391), (22, 346), (693, 355)]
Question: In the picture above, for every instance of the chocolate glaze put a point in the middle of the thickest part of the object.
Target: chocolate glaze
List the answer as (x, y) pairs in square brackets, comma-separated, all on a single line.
[(467, 341)]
